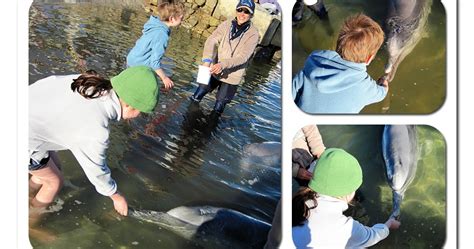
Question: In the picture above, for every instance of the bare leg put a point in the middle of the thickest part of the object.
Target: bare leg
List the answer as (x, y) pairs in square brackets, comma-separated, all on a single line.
[(34, 186), (49, 180)]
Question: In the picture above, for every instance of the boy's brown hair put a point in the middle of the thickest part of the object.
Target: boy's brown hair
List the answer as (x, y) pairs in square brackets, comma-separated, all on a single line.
[(165, 9), (360, 37)]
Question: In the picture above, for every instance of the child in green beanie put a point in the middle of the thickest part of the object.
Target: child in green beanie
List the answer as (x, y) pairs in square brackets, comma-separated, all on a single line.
[(318, 219), (72, 112)]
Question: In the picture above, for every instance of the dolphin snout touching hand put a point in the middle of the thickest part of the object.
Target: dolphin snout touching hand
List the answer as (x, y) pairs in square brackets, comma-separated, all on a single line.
[(400, 153), (405, 24)]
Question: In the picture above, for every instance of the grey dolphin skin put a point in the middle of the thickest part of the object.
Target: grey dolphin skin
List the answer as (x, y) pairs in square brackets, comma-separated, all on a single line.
[(266, 153), (210, 225), (400, 153), (405, 24), (263, 149)]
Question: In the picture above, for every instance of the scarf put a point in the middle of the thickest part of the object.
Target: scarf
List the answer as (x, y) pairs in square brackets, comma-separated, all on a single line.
[(237, 30)]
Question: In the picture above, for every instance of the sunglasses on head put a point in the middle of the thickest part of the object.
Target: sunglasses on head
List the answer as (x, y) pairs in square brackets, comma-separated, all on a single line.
[(246, 11)]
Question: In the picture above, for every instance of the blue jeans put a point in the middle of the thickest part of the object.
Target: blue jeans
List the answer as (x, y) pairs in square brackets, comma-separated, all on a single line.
[(225, 93)]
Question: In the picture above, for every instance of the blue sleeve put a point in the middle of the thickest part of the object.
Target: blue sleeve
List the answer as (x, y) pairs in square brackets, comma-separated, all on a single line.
[(158, 49), (377, 92)]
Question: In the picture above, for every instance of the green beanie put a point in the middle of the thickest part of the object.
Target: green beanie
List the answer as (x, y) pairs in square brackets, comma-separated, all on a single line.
[(138, 87), (337, 173)]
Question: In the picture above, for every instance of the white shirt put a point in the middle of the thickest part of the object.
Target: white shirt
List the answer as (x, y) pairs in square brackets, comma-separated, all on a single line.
[(328, 227), (60, 119)]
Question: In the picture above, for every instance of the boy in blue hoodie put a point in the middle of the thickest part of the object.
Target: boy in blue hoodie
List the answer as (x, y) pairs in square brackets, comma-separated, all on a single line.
[(337, 81), (151, 46)]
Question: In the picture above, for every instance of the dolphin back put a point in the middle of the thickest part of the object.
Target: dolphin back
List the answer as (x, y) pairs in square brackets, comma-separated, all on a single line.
[(263, 149), (211, 225), (242, 229)]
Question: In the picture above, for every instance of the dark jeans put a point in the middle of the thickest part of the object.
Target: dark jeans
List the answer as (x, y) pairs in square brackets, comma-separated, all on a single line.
[(224, 95), (34, 165)]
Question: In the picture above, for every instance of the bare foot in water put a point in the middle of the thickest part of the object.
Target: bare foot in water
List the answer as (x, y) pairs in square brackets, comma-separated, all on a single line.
[(37, 233), (41, 235)]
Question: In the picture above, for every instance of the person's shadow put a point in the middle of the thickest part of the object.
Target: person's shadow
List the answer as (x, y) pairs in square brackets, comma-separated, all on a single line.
[(197, 127)]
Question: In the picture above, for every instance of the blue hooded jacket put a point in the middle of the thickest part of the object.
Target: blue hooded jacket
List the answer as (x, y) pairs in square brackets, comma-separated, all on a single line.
[(151, 46), (330, 84)]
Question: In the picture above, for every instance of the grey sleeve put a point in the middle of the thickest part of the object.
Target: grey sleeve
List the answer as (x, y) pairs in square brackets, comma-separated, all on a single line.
[(91, 156)]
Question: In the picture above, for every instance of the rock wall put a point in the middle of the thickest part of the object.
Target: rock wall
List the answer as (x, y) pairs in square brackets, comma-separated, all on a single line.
[(203, 16)]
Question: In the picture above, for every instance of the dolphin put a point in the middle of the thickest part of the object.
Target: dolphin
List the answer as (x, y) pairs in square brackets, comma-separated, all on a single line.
[(210, 225), (405, 25), (266, 154), (400, 153)]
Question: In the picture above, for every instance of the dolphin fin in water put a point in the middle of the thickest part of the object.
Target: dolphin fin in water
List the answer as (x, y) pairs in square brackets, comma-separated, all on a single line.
[(400, 153)]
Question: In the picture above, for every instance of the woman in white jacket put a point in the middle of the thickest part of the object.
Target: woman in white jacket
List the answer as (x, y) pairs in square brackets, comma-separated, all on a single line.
[(318, 219), (72, 112)]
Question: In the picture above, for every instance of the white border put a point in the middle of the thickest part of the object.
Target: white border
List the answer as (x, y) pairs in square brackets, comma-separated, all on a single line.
[(8, 128), (14, 125), (22, 196)]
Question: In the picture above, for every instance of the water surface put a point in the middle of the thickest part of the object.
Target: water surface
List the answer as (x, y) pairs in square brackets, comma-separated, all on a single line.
[(419, 86), (423, 210), (179, 155)]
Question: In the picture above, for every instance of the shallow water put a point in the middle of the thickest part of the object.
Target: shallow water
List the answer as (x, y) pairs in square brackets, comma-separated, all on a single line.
[(419, 86), (423, 210), (179, 155)]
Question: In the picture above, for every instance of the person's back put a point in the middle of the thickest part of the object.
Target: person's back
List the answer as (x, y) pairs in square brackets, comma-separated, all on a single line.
[(318, 220), (337, 81), (151, 46), (334, 229), (93, 114)]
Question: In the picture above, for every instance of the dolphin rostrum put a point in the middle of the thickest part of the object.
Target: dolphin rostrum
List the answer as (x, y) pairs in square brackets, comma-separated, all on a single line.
[(405, 24), (207, 224), (400, 153)]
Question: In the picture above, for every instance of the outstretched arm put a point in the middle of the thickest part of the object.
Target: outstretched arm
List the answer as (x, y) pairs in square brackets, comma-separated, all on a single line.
[(314, 140), (91, 156)]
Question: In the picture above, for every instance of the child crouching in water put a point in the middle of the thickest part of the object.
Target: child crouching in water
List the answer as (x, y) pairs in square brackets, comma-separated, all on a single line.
[(318, 219), (151, 46), (337, 81)]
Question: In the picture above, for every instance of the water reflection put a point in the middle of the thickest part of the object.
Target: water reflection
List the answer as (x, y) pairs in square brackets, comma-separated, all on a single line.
[(178, 156)]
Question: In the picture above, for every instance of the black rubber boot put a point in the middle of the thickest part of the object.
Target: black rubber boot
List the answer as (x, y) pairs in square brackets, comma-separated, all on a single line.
[(298, 10), (219, 107), (198, 95)]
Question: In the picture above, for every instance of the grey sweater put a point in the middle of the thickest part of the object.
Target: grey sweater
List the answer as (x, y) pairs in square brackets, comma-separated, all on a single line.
[(60, 119)]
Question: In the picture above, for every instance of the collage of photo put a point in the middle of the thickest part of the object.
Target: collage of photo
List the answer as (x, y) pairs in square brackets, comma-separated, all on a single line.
[(158, 124)]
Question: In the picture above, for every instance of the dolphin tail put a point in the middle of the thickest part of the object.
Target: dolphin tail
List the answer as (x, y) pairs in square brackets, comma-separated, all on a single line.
[(397, 202)]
